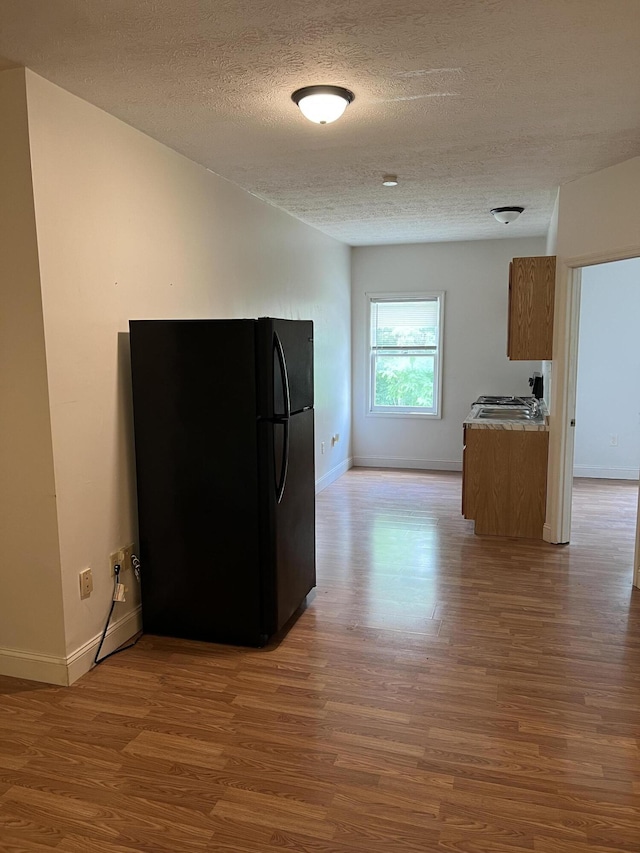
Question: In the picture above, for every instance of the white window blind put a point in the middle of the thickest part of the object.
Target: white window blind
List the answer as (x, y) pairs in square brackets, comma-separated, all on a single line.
[(405, 323)]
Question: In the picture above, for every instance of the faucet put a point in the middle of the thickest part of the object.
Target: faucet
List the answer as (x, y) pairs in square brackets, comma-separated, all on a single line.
[(532, 405)]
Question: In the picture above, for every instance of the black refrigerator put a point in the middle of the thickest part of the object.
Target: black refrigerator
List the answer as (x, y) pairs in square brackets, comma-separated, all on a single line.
[(224, 440)]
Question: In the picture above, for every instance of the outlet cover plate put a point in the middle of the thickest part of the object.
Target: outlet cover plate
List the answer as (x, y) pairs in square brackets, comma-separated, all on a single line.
[(123, 557), (86, 583)]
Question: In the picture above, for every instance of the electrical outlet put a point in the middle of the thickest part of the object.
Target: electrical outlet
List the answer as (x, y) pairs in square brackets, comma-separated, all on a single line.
[(117, 557), (123, 557), (86, 583), (613, 441), (322, 447)]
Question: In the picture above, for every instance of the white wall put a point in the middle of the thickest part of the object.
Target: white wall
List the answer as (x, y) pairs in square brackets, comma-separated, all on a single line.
[(129, 229), (598, 221), (474, 276), (608, 391), (599, 214), (31, 622)]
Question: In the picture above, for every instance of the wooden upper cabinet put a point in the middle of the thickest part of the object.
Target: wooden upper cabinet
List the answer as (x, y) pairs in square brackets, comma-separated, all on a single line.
[(531, 293)]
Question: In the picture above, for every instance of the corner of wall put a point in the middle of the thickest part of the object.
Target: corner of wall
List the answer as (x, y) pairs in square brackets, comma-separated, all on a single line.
[(552, 230), (31, 608)]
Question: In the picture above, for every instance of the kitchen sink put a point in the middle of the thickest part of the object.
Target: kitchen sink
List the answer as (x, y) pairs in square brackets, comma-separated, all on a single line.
[(519, 413), (490, 400)]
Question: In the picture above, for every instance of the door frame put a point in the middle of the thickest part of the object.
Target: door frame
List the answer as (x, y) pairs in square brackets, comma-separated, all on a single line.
[(636, 556), (557, 528)]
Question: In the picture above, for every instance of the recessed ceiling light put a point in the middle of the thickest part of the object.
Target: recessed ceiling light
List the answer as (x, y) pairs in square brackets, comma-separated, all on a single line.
[(390, 181), (322, 104), (505, 215)]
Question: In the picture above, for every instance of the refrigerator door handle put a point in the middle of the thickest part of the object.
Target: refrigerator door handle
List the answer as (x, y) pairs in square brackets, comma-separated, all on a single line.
[(280, 486), (282, 362), (284, 420)]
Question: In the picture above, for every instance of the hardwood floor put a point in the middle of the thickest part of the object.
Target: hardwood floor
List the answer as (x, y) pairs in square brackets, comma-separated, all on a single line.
[(441, 692)]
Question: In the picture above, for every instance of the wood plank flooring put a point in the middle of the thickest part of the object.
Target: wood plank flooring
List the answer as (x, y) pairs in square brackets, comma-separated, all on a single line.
[(441, 692)]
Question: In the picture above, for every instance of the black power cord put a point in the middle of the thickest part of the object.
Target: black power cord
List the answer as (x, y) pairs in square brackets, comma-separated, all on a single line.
[(116, 570)]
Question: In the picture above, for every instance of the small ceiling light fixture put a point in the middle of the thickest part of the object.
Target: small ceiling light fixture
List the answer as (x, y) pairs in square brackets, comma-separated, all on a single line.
[(505, 215), (322, 104), (390, 181)]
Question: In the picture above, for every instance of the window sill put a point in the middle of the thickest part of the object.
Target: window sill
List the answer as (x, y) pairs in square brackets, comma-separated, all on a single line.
[(420, 415)]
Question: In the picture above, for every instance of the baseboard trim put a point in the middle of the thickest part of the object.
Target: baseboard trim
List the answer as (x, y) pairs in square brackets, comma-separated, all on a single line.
[(51, 669), (600, 472), (121, 630), (334, 474), (33, 667), (402, 462)]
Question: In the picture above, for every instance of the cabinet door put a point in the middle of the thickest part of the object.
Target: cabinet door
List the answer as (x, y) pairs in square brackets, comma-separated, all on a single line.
[(507, 473), (464, 474), (531, 296), (509, 313), (472, 471)]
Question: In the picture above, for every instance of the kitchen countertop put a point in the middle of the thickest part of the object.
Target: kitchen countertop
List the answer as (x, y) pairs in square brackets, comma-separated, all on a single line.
[(539, 424)]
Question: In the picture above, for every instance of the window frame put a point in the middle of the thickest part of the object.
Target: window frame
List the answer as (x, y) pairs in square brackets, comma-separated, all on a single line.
[(404, 411)]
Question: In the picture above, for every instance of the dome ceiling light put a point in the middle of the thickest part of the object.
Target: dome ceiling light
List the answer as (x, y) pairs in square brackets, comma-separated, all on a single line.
[(390, 181), (505, 215), (322, 104)]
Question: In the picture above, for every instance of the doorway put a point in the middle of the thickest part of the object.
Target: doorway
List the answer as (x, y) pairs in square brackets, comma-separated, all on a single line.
[(600, 424), (607, 411), (606, 459)]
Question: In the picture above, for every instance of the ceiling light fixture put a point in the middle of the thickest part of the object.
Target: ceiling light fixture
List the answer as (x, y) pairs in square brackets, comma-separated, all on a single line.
[(390, 181), (322, 104), (505, 215)]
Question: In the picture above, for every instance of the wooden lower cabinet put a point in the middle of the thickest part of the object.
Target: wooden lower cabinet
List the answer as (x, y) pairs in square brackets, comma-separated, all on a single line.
[(504, 481)]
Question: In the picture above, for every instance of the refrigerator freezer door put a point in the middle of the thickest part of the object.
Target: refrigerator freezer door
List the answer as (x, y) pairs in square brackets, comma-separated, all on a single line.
[(285, 366)]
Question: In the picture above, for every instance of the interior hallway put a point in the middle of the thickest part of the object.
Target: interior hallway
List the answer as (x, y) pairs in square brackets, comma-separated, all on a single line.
[(441, 692)]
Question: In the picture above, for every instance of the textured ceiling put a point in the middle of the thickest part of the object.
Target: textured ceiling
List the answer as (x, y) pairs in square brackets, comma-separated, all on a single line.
[(473, 103)]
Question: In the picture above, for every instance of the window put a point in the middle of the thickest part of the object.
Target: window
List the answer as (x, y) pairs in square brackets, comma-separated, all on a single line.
[(405, 353)]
